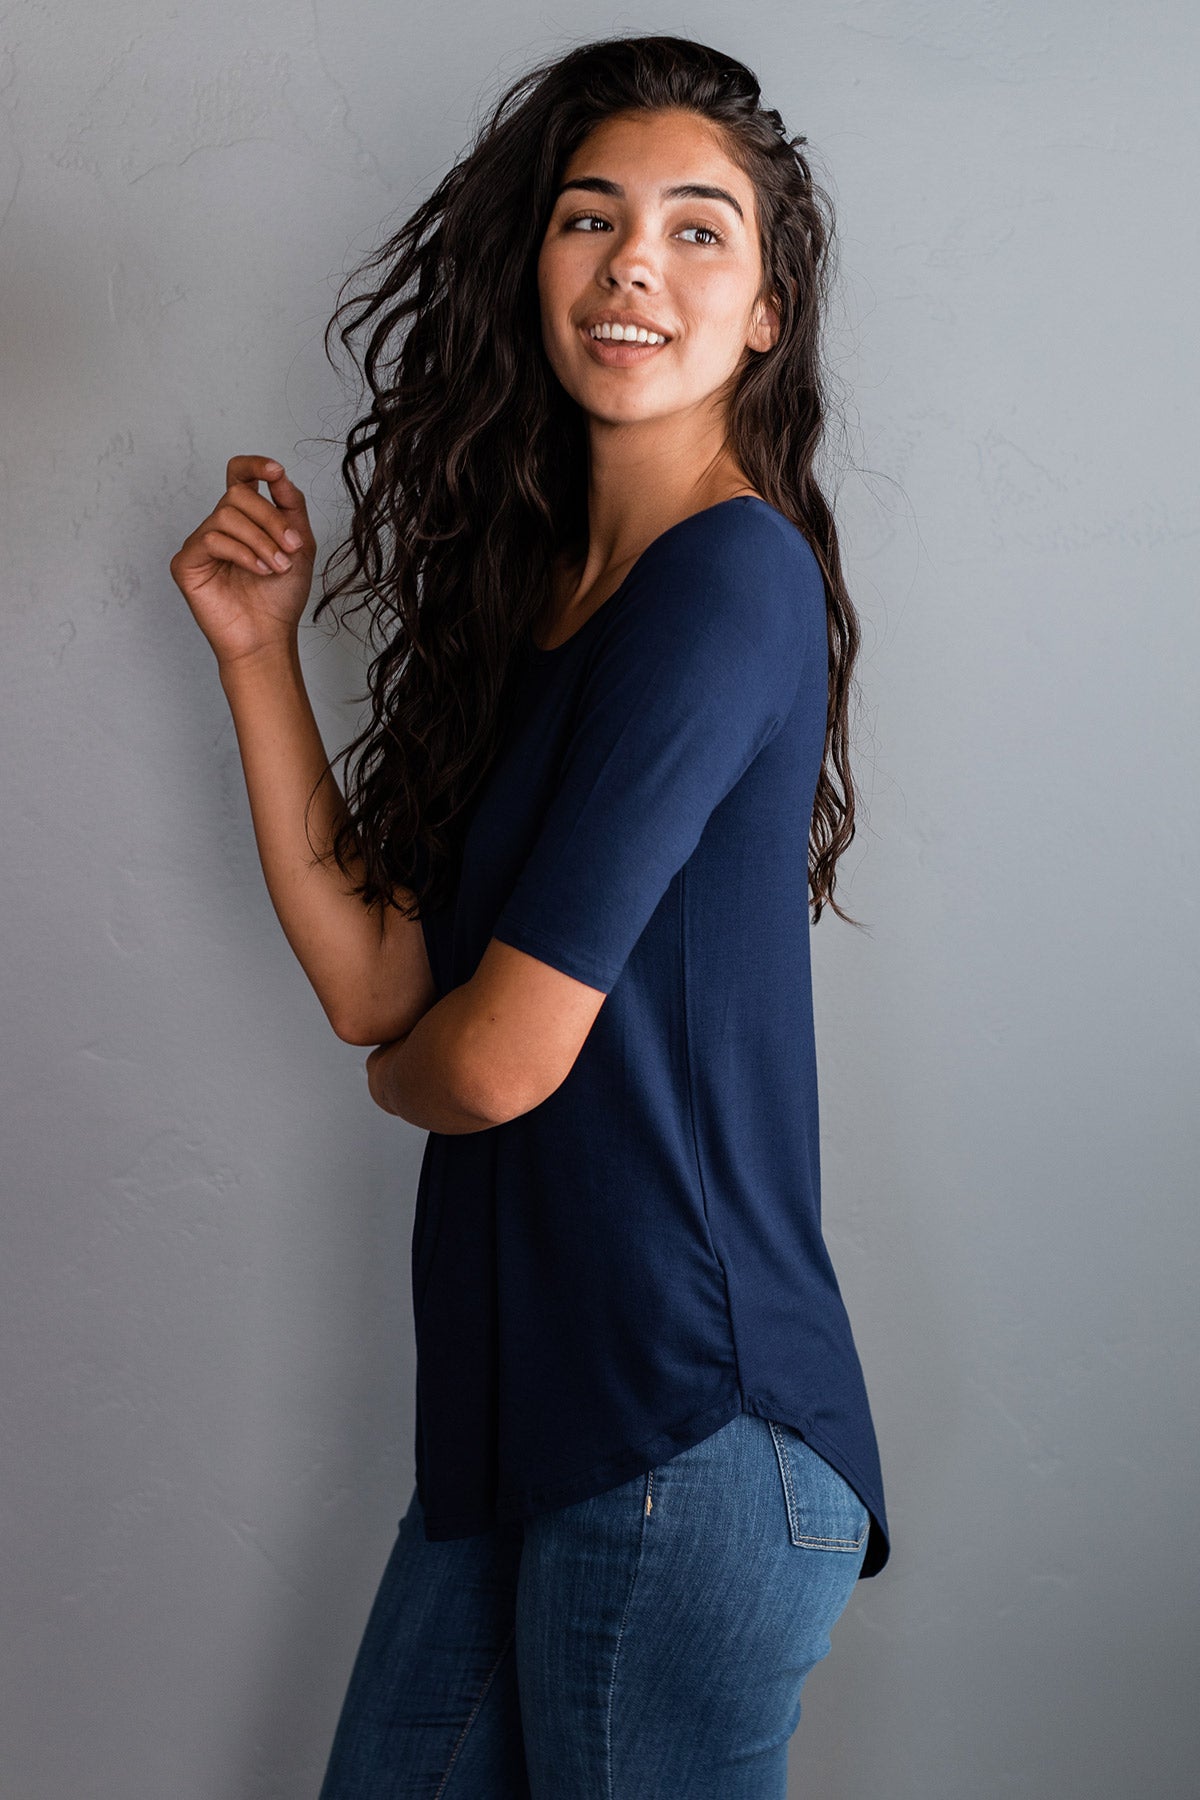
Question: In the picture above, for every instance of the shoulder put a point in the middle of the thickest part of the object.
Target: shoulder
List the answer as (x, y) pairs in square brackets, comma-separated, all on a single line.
[(737, 567)]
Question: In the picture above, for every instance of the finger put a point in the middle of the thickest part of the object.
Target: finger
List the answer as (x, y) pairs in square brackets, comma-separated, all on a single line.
[(234, 523), (253, 469), (223, 548), (248, 501)]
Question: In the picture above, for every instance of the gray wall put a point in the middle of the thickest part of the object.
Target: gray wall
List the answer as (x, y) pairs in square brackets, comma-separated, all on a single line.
[(207, 1380)]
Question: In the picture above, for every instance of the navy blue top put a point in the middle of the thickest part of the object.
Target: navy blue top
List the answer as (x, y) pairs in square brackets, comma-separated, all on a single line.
[(614, 1275)]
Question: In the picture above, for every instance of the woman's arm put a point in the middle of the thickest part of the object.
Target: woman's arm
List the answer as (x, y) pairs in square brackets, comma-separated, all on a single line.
[(493, 1048), (245, 572), (368, 966)]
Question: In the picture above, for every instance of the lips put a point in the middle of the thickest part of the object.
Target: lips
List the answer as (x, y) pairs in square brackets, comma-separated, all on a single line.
[(613, 354)]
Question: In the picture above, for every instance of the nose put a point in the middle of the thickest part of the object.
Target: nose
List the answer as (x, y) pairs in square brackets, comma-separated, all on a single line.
[(633, 259)]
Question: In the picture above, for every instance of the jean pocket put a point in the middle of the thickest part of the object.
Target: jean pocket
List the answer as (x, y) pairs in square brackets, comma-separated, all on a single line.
[(823, 1510)]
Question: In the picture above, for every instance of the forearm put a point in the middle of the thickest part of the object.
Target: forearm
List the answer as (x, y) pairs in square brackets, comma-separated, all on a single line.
[(424, 1077), (338, 940)]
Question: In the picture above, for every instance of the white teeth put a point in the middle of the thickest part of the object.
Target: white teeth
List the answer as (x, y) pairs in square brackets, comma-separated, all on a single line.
[(626, 334)]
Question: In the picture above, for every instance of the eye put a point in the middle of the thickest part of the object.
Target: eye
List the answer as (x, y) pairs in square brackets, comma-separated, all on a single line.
[(718, 237)]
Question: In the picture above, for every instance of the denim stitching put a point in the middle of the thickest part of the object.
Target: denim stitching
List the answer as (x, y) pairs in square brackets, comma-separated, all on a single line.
[(804, 1539), (785, 1470), (471, 1717), (839, 1543), (608, 1774)]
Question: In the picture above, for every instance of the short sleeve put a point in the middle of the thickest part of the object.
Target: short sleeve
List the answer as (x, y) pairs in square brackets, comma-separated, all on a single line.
[(718, 623)]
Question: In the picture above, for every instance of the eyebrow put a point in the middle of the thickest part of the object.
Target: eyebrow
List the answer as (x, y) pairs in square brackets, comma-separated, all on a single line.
[(686, 190)]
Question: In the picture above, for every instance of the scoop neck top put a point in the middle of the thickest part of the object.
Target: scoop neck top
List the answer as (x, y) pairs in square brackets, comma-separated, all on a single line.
[(731, 500), (612, 1275)]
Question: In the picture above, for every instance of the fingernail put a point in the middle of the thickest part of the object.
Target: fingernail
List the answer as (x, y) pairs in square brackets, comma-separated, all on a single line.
[(273, 468), (292, 539), (282, 561)]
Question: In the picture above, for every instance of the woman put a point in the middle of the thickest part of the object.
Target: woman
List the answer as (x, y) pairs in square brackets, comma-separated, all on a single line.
[(566, 899)]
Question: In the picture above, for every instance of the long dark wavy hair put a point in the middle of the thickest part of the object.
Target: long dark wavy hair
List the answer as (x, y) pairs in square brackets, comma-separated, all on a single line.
[(468, 473)]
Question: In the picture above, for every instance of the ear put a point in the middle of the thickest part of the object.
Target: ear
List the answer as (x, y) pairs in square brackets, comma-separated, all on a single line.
[(764, 333)]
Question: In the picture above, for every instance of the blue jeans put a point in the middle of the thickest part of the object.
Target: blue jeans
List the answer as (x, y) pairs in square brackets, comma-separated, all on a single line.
[(647, 1644)]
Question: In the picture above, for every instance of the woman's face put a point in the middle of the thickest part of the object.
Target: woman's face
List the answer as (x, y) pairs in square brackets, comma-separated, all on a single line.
[(621, 244)]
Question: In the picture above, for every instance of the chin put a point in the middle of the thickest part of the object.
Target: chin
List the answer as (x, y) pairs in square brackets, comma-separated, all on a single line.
[(631, 413), (621, 402)]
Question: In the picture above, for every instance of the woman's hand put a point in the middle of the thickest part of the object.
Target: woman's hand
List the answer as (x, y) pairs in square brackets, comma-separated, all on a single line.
[(241, 598)]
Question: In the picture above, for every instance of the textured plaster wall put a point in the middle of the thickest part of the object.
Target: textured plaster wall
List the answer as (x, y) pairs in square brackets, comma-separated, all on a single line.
[(206, 1404)]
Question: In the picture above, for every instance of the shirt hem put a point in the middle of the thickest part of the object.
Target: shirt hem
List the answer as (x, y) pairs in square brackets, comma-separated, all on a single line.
[(516, 1507), (624, 1467)]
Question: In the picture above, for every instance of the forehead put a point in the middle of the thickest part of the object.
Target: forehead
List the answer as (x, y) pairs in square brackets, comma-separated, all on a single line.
[(650, 149)]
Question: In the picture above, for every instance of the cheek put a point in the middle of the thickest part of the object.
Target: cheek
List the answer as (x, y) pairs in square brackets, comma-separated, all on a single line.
[(550, 303), (722, 303), (718, 331), (544, 283), (558, 264)]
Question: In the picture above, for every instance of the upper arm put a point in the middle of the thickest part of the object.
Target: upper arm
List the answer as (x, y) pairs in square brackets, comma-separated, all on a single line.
[(526, 1025)]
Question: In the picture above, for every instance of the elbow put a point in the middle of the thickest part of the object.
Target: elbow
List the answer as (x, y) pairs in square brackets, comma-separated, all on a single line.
[(497, 1077), (501, 1095), (480, 1097), (466, 1085), (493, 1092), (349, 1028), (358, 1025)]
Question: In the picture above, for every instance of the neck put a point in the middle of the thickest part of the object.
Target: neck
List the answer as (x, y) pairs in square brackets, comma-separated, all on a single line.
[(644, 478)]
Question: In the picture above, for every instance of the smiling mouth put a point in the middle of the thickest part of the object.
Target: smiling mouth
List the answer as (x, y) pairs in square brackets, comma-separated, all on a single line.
[(620, 353)]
